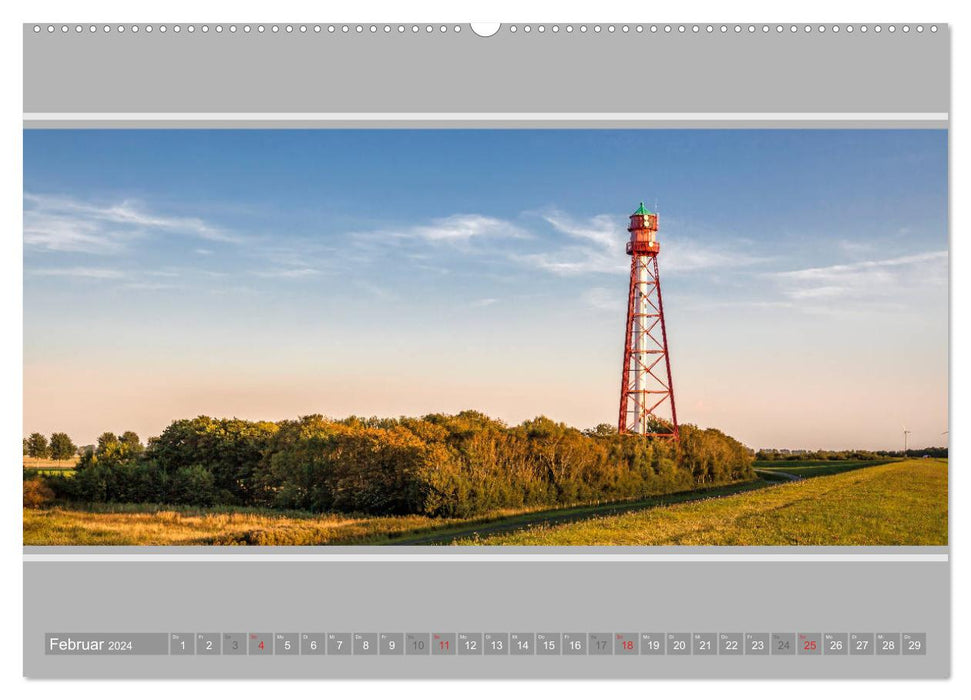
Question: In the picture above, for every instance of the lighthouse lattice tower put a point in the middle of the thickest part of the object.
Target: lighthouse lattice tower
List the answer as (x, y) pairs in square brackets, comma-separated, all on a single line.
[(646, 390)]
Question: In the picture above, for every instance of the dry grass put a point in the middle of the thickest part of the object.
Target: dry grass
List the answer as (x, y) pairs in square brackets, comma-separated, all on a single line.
[(165, 525)]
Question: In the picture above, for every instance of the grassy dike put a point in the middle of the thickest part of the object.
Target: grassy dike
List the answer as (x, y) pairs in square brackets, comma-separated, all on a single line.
[(902, 503)]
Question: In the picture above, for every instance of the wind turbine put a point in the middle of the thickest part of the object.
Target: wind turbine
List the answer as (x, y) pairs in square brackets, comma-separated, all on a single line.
[(906, 433)]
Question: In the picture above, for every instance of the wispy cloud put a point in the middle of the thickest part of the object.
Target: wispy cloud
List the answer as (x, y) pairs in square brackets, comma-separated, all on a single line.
[(293, 258), (151, 286), (290, 272), (593, 246), (605, 299), (464, 228), (376, 291), (144, 280), (596, 245), (100, 273), (855, 247), (687, 255), (64, 224), (865, 279), (482, 303), (457, 229)]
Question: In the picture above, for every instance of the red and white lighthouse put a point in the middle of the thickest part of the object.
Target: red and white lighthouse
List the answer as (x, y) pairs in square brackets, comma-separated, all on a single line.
[(646, 390)]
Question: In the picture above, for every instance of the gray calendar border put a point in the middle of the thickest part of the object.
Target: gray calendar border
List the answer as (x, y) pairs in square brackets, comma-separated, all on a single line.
[(446, 596), (244, 123), (804, 72)]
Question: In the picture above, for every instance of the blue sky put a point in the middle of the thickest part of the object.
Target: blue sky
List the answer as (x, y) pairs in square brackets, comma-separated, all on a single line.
[(380, 272)]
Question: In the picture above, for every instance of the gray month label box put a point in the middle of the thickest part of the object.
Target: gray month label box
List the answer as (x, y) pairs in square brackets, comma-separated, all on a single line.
[(106, 644)]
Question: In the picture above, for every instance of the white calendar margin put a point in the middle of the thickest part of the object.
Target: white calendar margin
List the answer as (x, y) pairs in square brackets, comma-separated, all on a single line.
[(481, 116), (485, 558)]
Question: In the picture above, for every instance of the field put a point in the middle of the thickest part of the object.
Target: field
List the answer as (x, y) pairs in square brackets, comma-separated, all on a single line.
[(897, 503), (42, 465), (900, 503), (807, 468)]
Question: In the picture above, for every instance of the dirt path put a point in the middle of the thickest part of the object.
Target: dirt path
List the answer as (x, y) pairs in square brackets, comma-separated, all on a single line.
[(576, 514), (785, 475)]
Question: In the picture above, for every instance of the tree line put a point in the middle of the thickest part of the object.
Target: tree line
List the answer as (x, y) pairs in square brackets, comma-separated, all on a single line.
[(441, 465), (60, 446), (841, 455)]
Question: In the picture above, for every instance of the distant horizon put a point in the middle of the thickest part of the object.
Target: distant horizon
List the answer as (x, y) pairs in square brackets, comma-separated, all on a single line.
[(272, 274)]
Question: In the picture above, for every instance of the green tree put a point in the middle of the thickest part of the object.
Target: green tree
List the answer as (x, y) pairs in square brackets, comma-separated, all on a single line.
[(113, 473), (193, 485), (37, 446), (230, 449), (131, 440), (62, 447), (106, 441), (602, 430)]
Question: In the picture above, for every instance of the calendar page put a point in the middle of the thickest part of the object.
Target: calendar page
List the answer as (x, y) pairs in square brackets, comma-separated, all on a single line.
[(345, 346)]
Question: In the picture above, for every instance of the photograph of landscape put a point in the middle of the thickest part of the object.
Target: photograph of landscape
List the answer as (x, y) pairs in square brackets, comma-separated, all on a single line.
[(457, 337)]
